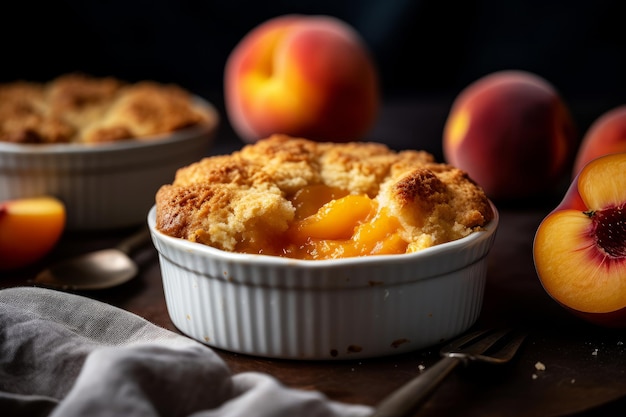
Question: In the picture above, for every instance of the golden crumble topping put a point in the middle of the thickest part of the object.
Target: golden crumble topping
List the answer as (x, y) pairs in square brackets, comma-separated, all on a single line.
[(299, 198), (86, 109)]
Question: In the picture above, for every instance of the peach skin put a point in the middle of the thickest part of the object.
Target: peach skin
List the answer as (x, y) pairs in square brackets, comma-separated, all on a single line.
[(29, 229), (579, 248), (607, 134), (512, 133), (307, 76)]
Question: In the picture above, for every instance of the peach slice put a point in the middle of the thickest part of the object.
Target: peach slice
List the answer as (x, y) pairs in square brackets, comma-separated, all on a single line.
[(29, 229), (580, 247), (308, 200), (349, 226), (335, 219)]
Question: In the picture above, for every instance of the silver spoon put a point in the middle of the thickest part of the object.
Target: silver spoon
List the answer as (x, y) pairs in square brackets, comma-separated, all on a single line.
[(96, 270)]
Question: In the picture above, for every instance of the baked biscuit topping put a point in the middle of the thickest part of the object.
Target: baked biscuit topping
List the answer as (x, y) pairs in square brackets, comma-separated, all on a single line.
[(81, 108), (298, 198)]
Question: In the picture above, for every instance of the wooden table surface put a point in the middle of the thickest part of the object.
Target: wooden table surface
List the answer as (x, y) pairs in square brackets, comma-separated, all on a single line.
[(585, 371)]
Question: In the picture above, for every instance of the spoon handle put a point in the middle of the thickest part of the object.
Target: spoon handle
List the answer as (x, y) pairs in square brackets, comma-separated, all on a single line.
[(134, 241)]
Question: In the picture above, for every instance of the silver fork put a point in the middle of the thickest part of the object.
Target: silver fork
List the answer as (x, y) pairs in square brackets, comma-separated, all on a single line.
[(491, 346)]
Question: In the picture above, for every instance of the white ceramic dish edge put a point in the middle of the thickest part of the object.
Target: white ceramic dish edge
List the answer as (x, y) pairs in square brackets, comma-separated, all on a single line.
[(320, 310), (103, 186)]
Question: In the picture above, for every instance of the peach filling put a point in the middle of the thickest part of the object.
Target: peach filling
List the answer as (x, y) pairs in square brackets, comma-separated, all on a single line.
[(330, 223)]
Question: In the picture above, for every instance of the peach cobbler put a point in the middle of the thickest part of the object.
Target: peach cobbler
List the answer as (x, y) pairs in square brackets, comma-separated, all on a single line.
[(77, 108), (302, 199)]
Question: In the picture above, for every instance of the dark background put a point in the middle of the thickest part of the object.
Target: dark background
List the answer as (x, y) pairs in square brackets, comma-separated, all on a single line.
[(423, 48), (426, 52)]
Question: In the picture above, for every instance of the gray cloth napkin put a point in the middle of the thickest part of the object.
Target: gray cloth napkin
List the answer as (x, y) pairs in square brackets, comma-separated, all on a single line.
[(66, 355)]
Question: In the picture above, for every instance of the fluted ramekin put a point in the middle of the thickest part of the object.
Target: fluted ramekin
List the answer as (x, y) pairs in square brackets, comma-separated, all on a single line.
[(322, 310), (103, 186)]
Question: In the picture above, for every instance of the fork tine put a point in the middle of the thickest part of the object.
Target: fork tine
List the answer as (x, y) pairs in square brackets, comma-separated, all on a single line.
[(483, 345), (506, 352), (461, 341), (505, 344), (476, 343)]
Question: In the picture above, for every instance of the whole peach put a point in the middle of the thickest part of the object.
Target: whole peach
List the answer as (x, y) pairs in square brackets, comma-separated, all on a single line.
[(607, 134), (307, 76), (512, 133)]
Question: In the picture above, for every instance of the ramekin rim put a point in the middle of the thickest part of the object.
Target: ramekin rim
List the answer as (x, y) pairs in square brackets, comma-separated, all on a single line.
[(441, 249)]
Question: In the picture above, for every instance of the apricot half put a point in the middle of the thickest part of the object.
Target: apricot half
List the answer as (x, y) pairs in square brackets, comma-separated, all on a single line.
[(29, 229), (580, 247)]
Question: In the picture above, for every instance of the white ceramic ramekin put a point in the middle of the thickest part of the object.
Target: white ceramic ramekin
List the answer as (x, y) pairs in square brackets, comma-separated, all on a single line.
[(103, 186), (317, 310)]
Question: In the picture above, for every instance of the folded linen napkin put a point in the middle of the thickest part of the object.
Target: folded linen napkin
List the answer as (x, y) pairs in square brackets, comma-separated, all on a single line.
[(67, 355)]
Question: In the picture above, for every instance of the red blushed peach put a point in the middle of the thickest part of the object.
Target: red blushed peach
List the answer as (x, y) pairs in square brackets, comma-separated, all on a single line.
[(606, 135), (580, 248), (512, 132), (29, 229), (307, 76)]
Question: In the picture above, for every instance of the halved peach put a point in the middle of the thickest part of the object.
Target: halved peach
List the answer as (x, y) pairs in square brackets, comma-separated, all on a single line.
[(29, 229), (580, 248)]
